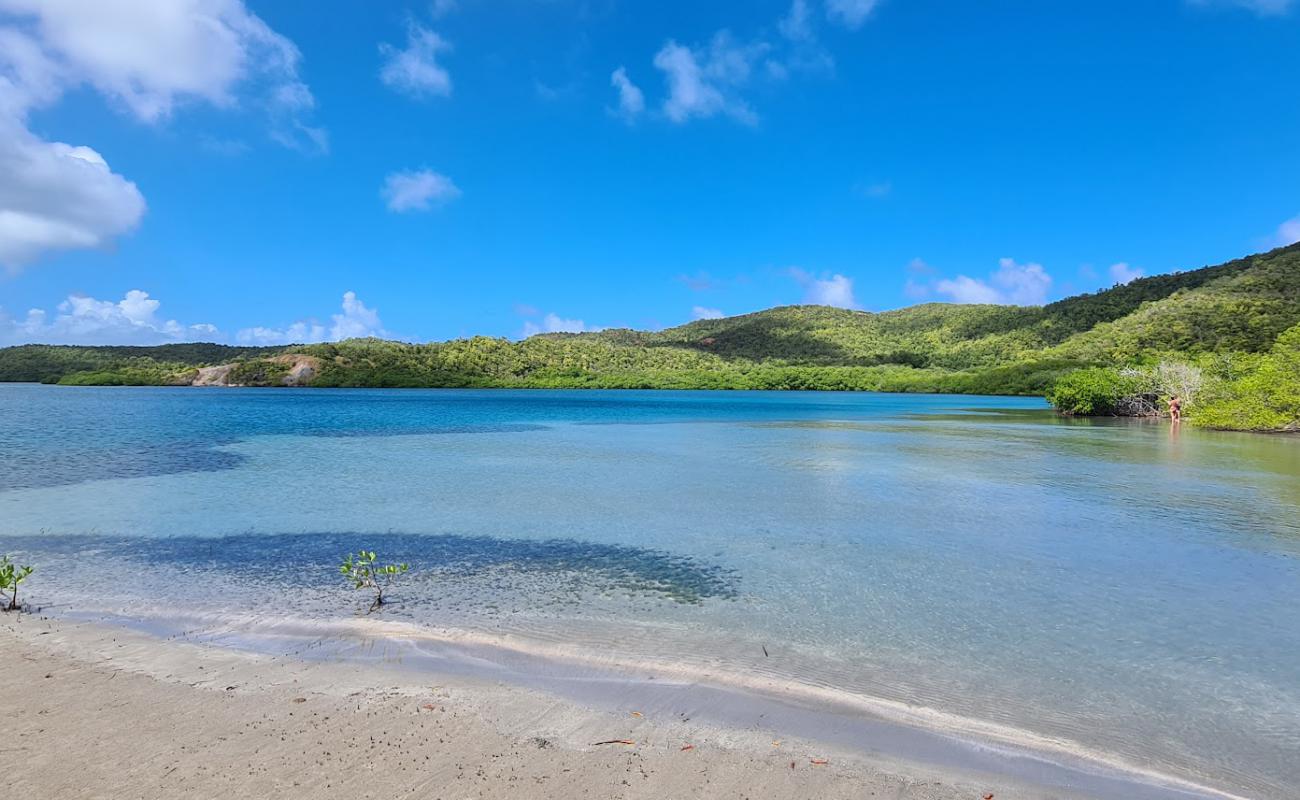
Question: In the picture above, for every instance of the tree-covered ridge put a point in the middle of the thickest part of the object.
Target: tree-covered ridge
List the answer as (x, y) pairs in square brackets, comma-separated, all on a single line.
[(1235, 311), (160, 364)]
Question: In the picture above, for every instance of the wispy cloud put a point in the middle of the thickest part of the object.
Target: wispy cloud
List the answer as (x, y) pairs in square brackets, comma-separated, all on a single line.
[(875, 191), (414, 70), (631, 100), (704, 82), (417, 190), (701, 312), (1288, 232), (700, 281), (796, 25), (826, 290), (852, 14), (1264, 8)]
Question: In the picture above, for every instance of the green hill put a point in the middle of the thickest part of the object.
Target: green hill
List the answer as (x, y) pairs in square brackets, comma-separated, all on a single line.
[(1241, 307)]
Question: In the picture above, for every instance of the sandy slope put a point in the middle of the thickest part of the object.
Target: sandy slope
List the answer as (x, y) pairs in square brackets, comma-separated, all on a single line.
[(93, 712)]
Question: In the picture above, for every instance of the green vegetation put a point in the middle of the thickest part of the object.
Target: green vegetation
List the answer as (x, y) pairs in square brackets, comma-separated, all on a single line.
[(1233, 313), (11, 575), (258, 372), (1262, 395), (363, 573), (1095, 391), (157, 366)]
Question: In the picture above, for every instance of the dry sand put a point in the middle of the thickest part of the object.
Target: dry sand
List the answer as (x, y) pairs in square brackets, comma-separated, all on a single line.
[(98, 712)]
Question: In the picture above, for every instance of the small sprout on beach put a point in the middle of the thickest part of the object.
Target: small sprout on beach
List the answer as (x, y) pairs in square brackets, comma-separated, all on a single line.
[(364, 573), (10, 576)]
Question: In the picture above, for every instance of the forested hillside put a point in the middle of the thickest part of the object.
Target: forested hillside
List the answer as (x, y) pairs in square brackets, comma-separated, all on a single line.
[(1235, 309)]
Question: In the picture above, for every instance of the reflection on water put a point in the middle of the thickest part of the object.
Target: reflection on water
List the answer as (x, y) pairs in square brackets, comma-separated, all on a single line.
[(1106, 582)]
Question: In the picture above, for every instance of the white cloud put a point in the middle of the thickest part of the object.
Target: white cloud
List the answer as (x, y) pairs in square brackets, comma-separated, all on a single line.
[(1012, 283), (415, 70), (147, 57), (850, 13), (85, 320), (417, 190), (1122, 273), (1288, 232), (835, 290), (968, 290), (356, 320), (301, 332), (631, 101), (554, 323), (700, 312), (54, 196), (703, 82)]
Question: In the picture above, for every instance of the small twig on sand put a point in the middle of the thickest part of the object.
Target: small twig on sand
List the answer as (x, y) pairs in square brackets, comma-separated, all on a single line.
[(613, 741)]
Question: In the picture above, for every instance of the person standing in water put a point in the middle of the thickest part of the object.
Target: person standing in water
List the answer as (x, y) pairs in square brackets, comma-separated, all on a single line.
[(1175, 409)]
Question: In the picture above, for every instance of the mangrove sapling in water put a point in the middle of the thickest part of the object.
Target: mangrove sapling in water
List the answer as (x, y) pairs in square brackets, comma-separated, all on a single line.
[(364, 573), (10, 576)]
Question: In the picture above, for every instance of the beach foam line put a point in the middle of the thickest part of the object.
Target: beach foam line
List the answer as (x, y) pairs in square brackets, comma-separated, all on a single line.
[(984, 734)]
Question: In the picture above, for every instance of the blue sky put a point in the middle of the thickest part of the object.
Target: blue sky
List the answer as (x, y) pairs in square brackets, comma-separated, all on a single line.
[(256, 171)]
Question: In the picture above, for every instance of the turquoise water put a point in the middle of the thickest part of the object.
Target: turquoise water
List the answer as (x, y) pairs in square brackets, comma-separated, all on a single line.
[(1122, 591)]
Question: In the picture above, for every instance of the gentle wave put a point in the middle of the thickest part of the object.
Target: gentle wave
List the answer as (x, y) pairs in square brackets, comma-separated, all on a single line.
[(1012, 741)]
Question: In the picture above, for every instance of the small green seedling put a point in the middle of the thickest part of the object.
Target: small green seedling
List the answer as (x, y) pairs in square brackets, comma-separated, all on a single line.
[(10, 576), (364, 573)]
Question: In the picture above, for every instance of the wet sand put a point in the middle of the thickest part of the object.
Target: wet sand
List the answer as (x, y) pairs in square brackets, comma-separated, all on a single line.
[(93, 712)]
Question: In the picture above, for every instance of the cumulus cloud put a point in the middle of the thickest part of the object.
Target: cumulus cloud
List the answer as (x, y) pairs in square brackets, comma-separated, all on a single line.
[(700, 312), (962, 289), (355, 320), (1288, 232), (54, 196), (1012, 283), (1122, 273), (554, 323), (417, 190), (704, 82), (147, 57), (631, 101), (87, 321), (414, 70), (850, 13), (834, 290)]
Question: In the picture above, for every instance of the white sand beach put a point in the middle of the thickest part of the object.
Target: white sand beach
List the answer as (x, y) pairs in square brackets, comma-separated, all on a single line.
[(96, 712)]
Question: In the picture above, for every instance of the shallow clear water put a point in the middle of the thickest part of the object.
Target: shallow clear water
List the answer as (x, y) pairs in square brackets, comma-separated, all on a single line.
[(1126, 590)]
